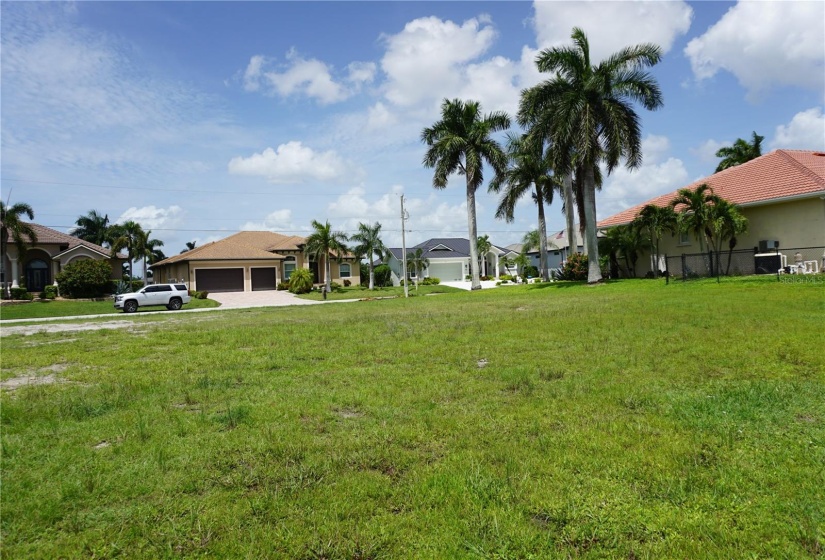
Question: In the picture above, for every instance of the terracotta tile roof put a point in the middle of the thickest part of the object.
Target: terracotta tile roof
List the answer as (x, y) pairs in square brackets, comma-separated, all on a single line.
[(778, 175), (267, 240), (222, 250), (49, 236)]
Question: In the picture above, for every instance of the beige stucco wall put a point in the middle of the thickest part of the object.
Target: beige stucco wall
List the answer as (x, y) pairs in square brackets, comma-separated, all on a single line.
[(795, 224), (47, 252)]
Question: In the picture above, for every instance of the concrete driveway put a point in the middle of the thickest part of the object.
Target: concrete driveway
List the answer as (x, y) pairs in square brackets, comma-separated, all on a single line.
[(268, 298)]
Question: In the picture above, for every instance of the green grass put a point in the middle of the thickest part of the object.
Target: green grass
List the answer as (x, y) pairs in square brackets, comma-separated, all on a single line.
[(628, 420), (67, 308), (358, 292)]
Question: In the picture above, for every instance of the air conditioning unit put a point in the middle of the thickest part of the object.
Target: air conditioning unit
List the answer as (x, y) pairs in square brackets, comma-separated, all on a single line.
[(768, 245)]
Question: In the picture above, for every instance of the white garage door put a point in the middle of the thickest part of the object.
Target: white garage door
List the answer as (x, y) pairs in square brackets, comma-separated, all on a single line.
[(447, 272)]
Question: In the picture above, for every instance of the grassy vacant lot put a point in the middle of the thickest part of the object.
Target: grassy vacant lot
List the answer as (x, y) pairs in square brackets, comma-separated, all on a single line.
[(357, 292), (67, 308), (630, 420)]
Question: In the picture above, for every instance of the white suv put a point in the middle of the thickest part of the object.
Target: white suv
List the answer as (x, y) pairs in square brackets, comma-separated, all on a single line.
[(173, 296)]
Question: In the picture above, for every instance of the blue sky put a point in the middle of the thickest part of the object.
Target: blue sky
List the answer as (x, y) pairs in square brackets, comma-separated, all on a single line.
[(199, 119)]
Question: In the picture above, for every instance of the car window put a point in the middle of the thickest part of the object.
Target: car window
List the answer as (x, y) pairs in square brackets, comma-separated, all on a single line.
[(181, 287), (148, 290), (166, 288)]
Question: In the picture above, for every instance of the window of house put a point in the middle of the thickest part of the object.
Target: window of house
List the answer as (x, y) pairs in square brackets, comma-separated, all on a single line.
[(289, 267), (344, 270), (684, 238)]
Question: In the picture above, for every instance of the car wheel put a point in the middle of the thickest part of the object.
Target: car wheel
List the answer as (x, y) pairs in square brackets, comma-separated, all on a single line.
[(130, 306), (174, 304)]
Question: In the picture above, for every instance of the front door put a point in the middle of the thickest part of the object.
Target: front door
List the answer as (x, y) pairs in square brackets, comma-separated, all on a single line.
[(313, 268), (37, 275)]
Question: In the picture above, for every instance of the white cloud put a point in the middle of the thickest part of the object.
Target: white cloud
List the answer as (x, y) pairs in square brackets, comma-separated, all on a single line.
[(425, 61), (279, 220), (299, 76), (152, 217), (706, 151), (806, 131), (611, 26), (764, 44), (361, 72), (293, 163)]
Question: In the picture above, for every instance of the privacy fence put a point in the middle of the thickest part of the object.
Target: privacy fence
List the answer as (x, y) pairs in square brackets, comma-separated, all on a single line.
[(794, 264)]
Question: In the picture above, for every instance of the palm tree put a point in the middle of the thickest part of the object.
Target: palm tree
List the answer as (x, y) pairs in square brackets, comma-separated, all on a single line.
[(587, 112), (369, 245), (530, 171), (12, 226), (742, 151), (483, 246), (460, 143), (148, 249), (92, 227), (189, 246), (127, 236), (725, 221), (611, 245), (323, 242), (735, 226), (418, 262), (656, 221), (694, 213), (521, 261)]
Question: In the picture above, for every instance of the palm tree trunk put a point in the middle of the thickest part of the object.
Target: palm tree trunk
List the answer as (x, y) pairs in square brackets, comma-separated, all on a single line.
[(372, 275), (471, 226), (656, 262), (567, 186), (542, 237), (328, 273), (594, 274)]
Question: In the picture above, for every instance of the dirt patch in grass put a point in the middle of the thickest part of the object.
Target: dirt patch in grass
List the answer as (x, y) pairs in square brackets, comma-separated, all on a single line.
[(349, 413), (62, 341), (24, 380), (29, 330)]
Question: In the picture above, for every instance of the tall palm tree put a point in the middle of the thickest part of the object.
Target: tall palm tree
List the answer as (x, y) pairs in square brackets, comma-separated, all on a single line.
[(92, 227), (323, 242), (742, 151), (12, 226), (483, 246), (148, 249), (695, 210), (656, 221), (530, 171), (587, 112), (418, 262), (369, 245), (127, 236), (189, 246), (461, 143)]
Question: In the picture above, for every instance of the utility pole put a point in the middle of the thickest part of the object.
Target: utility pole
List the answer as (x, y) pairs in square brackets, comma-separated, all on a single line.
[(404, 217)]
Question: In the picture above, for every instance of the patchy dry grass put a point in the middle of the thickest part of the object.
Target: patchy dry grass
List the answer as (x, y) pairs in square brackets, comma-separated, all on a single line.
[(631, 420)]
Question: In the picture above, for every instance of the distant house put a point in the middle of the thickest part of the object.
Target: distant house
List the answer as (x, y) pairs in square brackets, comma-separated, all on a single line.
[(782, 194), (558, 248), (250, 261), (44, 259), (449, 260)]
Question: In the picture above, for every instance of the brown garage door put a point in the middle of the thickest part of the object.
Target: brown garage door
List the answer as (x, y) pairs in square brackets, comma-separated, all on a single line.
[(263, 279), (219, 279)]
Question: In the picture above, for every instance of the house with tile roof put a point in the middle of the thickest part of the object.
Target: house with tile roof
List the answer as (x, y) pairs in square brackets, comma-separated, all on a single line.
[(250, 261), (449, 260), (782, 194), (45, 258), (558, 247)]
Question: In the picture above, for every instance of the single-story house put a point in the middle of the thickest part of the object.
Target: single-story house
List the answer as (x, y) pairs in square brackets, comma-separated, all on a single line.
[(44, 259), (782, 194), (449, 260), (250, 261), (558, 248)]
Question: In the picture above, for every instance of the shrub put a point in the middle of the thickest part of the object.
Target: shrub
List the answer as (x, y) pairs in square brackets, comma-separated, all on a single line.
[(300, 281), (49, 292), (530, 271), (575, 267), (347, 283), (431, 281), (283, 285), (85, 279), (335, 287), (505, 277), (21, 293), (383, 276)]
